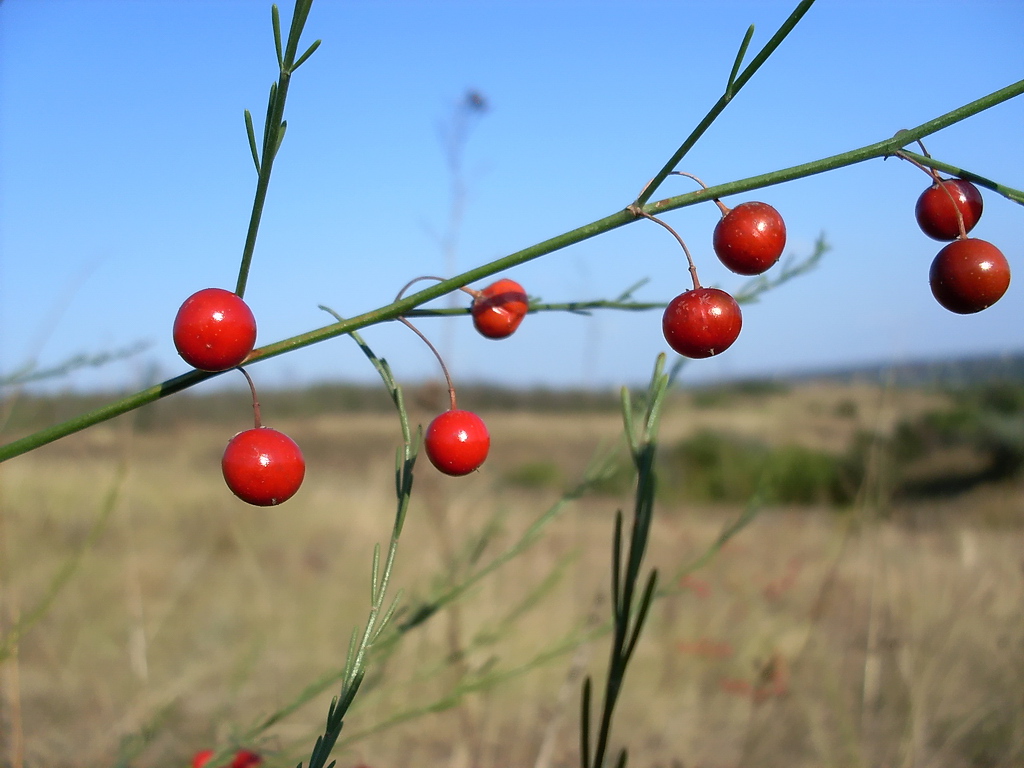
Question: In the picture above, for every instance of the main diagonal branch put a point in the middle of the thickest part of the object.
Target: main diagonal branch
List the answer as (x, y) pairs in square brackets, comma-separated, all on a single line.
[(587, 231)]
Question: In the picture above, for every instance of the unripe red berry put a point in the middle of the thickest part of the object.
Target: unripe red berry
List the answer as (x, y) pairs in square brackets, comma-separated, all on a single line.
[(750, 238), (214, 330), (499, 309), (457, 442), (936, 208), (969, 275), (702, 322), (263, 467)]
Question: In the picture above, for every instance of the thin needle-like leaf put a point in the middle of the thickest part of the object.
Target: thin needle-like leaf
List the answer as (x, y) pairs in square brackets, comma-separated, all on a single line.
[(641, 617), (739, 59), (251, 133), (617, 607), (306, 55), (627, 419), (275, 15), (626, 294), (374, 573), (585, 724), (280, 136)]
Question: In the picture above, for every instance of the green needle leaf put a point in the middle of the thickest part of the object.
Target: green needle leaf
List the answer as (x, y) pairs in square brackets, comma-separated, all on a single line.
[(617, 607), (306, 55), (271, 107), (280, 136), (645, 604), (739, 60), (585, 725), (627, 420), (374, 572), (276, 16), (251, 133)]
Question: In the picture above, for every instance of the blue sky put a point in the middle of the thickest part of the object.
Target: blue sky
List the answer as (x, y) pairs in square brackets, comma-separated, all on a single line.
[(126, 180)]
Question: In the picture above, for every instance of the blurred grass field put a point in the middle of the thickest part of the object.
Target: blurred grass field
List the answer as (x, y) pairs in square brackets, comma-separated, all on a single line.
[(882, 627)]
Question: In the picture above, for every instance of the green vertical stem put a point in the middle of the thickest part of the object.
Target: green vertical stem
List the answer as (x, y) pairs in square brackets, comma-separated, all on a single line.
[(270, 145), (273, 133)]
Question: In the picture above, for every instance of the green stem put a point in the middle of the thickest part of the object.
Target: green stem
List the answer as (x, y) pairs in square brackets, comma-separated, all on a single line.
[(1008, 192), (587, 231), (869, 152), (731, 90), (273, 133)]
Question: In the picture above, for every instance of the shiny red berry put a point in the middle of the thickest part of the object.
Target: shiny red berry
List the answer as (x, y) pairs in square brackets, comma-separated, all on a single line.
[(214, 330), (702, 322), (499, 309), (457, 442), (750, 238), (936, 208), (263, 466), (969, 275)]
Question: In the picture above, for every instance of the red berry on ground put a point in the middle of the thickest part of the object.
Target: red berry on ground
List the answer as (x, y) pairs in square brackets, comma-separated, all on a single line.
[(457, 442), (937, 205), (243, 758), (969, 275), (702, 322), (750, 238), (214, 330), (263, 467), (499, 309)]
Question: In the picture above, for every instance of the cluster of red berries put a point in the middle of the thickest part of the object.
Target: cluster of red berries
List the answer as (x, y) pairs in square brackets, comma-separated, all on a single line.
[(702, 322), (215, 330), (966, 276), (969, 274)]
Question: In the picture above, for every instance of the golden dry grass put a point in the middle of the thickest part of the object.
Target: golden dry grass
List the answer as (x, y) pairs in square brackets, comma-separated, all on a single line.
[(814, 638)]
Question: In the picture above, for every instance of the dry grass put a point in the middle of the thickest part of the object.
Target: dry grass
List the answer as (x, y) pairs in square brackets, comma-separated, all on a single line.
[(813, 639)]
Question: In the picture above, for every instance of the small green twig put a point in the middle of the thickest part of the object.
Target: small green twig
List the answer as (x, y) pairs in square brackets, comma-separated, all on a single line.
[(732, 88), (274, 128)]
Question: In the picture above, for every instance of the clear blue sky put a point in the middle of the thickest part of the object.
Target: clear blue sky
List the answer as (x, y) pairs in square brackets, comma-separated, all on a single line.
[(126, 180)]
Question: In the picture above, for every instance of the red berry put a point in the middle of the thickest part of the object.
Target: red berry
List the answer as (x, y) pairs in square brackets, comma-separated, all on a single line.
[(936, 209), (969, 275), (263, 466), (457, 442), (243, 759), (702, 322), (750, 238), (499, 309), (214, 330)]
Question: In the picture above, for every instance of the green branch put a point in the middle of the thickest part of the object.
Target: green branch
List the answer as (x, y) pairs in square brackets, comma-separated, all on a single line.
[(732, 88), (1008, 192), (578, 235)]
